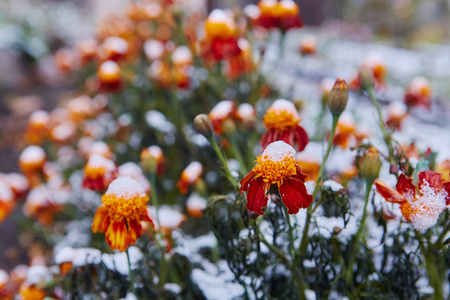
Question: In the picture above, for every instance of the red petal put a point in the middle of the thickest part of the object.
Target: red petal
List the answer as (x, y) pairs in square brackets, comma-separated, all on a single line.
[(134, 231), (388, 193), (245, 181), (300, 174), (447, 189), (256, 197), (294, 195), (287, 136), (268, 137), (116, 236), (101, 220), (405, 186), (433, 179), (301, 138)]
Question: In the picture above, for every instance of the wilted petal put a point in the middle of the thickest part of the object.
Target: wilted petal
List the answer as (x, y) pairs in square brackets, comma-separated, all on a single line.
[(245, 181), (432, 178), (301, 138), (405, 186), (388, 193), (294, 195), (256, 197)]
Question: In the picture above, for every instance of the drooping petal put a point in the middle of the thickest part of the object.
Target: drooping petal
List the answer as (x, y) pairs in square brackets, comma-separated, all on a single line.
[(101, 220), (294, 195), (245, 181), (432, 178), (134, 231), (301, 138), (405, 186), (388, 193), (268, 137), (406, 210), (300, 175), (256, 197), (116, 236)]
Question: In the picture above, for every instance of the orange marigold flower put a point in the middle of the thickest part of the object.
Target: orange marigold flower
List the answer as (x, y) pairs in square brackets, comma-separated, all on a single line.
[(18, 183), (282, 123), (114, 48), (196, 205), (189, 176), (308, 45), (99, 172), (420, 205), (283, 14), (32, 160), (418, 93), (396, 113), (38, 127), (43, 202), (120, 215), (276, 167), (376, 64), (221, 36), (110, 76), (134, 171), (6, 201), (31, 292), (152, 159)]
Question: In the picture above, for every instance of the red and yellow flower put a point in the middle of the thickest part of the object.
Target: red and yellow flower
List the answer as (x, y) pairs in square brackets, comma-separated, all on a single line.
[(189, 176), (308, 45), (282, 14), (7, 202), (31, 292), (124, 206), (224, 111), (99, 172), (422, 204), (377, 65), (277, 168), (418, 93), (282, 123), (109, 76), (396, 113), (38, 127), (152, 159)]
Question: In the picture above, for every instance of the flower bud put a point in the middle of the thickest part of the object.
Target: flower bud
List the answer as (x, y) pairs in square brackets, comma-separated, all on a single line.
[(370, 164), (203, 125), (365, 78), (337, 100)]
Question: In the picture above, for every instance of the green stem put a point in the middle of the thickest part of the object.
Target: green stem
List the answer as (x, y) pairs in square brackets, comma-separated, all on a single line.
[(442, 236), (387, 137), (271, 247), (224, 162), (238, 154), (130, 273), (431, 267), (290, 232), (351, 262), (305, 238)]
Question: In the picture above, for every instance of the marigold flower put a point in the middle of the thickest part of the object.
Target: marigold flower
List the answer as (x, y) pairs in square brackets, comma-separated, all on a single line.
[(38, 127), (32, 159), (43, 202), (80, 108), (114, 48), (120, 215), (99, 172), (377, 66), (283, 14), (63, 132), (152, 159), (195, 205), (241, 63), (101, 148), (246, 114), (154, 49), (109, 75), (444, 169), (4, 290), (31, 292), (66, 60), (347, 134), (223, 111), (221, 36), (422, 209), (276, 167), (308, 45), (6, 201), (132, 170), (18, 183), (396, 113), (189, 176), (418, 93), (282, 123), (87, 51)]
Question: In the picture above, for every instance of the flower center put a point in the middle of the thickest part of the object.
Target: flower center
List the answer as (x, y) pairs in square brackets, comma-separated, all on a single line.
[(120, 207), (274, 172), (280, 119)]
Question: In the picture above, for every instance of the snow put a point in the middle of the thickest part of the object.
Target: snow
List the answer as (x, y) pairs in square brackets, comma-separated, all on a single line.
[(285, 105), (335, 187), (125, 187), (222, 109), (64, 131), (313, 152), (157, 120), (6, 194), (252, 11), (193, 171), (168, 217), (220, 16), (118, 261), (99, 161), (109, 68), (99, 147), (172, 287), (134, 171), (427, 208), (37, 274), (40, 117), (397, 108), (246, 111), (418, 84), (156, 152), (196, 202), (65, 254), (117, 44), (32, 154), (153, 49), (181, 55), (3, 277), (278, 150)]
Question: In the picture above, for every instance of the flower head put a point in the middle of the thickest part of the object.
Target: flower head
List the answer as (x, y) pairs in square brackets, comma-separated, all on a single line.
[(420, 205), (110, 76), (120, 215), (99, 172), (32, 159), (223, 111), (6, 201), (189, 176), (276, 167), (418, 93), (282, 123), (152, 159)]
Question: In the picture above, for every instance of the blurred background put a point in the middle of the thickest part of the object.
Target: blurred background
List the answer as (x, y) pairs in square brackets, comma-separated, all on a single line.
[(32, 30)]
